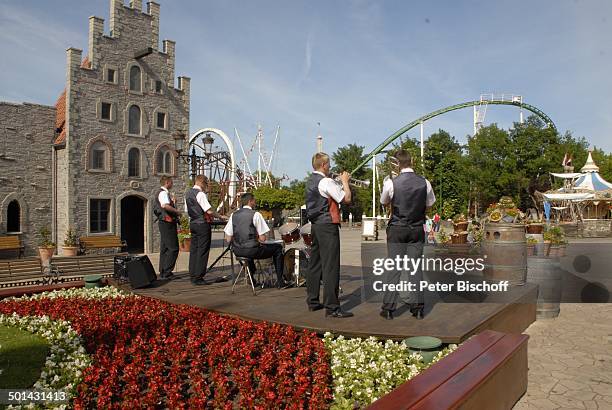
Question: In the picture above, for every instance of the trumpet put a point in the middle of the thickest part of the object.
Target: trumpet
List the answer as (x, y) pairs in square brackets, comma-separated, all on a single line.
[(352, 181)]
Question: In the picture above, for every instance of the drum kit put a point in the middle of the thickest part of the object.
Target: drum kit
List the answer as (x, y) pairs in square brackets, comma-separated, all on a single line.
[(297, 257)]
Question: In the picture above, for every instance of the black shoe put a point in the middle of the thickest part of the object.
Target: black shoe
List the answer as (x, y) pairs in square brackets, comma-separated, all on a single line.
[(199, 282), (169, 276), (417, 310), (386, 314), (315, 307), (338, 313), (282, 285)]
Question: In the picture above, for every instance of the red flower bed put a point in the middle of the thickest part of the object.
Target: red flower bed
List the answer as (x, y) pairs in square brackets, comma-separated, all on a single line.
[(152, 354)]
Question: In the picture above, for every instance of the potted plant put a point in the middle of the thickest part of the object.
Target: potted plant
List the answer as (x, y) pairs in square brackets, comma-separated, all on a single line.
[(443, 238), (548, 237), (460, 223), (71, 245), (46, 247), (184, 234), (558, 243), (531, 246)]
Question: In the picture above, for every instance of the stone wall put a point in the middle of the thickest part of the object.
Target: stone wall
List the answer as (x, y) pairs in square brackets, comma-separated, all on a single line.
[(132, 30), (26, 136)]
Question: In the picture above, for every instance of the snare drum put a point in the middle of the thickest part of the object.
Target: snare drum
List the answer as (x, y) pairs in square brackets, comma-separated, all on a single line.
[(305, 231), (290, 233)]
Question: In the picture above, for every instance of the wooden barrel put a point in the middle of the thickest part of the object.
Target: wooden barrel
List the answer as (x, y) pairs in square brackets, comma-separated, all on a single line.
[(546, 273), (505, 248)]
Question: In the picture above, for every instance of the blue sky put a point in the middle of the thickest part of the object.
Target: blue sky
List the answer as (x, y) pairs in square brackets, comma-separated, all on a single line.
[(362, 69)]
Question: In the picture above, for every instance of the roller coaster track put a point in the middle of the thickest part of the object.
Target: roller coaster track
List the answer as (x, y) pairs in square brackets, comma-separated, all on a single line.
[(433, 114)]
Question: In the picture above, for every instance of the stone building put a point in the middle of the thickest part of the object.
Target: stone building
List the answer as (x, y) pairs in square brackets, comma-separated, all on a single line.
[(93, 161)]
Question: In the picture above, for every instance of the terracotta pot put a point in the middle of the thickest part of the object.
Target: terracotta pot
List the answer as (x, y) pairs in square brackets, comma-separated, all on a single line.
[(545, 250), (535, 228), (185, 245), (531, 249), (46, 254), (70, 250), (557, 251)]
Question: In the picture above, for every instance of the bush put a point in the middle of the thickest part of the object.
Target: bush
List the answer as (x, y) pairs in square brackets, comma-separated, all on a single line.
[(276, 198), (45, 238)]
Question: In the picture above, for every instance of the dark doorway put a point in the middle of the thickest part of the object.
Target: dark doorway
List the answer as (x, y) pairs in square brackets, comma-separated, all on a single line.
[(13, 217), (132, 223)]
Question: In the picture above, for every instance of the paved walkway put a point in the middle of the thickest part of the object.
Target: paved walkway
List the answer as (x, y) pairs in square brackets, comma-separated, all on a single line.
[(570, 360)]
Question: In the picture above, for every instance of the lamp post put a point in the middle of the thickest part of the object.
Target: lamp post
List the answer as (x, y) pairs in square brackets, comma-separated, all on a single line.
[(440, 186), (192, 159)]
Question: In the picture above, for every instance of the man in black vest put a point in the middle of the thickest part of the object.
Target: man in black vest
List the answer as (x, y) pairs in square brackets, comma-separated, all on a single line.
[(323, 198), (168, 217), (246, 230), (410, 196), (200, 215)]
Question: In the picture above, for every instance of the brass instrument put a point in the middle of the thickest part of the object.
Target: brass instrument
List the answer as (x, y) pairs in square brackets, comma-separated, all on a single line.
[(352, 181)]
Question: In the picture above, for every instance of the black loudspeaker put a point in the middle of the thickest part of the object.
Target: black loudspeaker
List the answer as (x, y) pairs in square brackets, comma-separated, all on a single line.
[(140, 272)]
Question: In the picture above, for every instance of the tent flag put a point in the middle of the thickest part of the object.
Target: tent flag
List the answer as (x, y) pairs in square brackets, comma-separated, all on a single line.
[(547, 210)]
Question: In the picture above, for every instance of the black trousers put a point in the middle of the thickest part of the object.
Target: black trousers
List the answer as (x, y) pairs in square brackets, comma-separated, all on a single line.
[(324, 265), (200, 249), (168, 247), (264, 251), (403, 240)]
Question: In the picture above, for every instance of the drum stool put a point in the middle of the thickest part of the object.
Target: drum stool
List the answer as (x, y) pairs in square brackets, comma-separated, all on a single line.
[(246, 271)]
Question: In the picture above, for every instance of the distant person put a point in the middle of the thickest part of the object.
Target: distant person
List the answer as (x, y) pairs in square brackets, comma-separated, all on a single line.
[(436, 222), (200, 215), (323, 199), (410, 196), (246, 230), (429, 230), (168, 216)]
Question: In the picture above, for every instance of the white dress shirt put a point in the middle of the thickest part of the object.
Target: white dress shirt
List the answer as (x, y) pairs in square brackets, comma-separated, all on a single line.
[(164, 197), (258, 220), (201, 198), (387, 192), (330, 188)]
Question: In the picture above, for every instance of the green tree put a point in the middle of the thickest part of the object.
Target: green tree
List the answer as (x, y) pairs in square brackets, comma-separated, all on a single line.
[(276, 198), (347, 158)]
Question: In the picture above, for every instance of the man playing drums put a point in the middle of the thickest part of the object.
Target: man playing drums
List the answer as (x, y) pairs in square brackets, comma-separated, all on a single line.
[(323, 196), (246, 230)]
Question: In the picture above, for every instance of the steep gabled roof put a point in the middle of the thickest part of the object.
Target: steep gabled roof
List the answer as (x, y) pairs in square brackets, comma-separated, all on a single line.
[(60, 111)]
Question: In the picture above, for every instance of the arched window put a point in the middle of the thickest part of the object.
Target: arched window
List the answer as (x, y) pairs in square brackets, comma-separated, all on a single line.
[(164, 161), (134, 117), (167, 162), (134, 162), (13, 217), (98, 156), (135, 78)]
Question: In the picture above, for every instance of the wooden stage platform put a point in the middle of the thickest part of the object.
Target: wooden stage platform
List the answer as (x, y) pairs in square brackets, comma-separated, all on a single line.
[(451, 322)]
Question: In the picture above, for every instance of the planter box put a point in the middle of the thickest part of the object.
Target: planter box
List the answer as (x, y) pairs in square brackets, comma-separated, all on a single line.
[(489, 371)]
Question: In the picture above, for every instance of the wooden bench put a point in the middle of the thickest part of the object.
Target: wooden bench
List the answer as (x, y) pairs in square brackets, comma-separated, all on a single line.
[(488, 371), (11, 243), (70, 268), (101, 242), (19, 272)]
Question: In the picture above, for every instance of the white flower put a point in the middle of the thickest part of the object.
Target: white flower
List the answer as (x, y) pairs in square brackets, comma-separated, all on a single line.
[(67, 359), (365, 369)]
